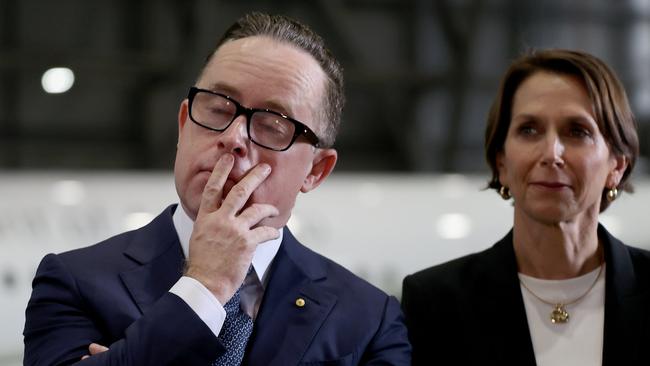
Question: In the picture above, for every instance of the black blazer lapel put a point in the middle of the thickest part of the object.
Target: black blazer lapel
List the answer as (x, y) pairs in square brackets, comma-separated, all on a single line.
[(156, 250), (500, 307), (626, 306), (283, 330)]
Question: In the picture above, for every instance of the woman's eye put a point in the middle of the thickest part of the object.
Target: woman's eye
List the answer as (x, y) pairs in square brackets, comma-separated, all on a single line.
[(527, 130), (579, 132)]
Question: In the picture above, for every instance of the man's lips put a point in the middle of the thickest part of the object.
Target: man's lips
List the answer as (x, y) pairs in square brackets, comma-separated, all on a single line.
[(234, 176), (227, 187), (230, 182)]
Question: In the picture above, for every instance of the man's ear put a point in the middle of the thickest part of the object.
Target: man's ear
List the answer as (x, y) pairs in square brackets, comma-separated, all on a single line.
[(322, 166), (182, 116)]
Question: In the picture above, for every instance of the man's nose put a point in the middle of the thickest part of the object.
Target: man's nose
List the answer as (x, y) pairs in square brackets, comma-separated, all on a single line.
[(552, 150), (234, 139)]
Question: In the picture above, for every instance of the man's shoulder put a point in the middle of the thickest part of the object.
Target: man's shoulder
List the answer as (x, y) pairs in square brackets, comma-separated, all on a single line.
[(96, 261), (106, 248), (339, 280), (111, 251), (347, 281), (358, 303)]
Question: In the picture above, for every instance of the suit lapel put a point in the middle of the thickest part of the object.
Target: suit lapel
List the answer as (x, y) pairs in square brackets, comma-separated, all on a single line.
[(283, 330), (500, 309), (155, 249), (626, 306)]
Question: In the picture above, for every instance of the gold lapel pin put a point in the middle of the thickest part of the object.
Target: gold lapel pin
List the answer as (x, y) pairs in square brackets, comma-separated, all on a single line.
[(300, 302)]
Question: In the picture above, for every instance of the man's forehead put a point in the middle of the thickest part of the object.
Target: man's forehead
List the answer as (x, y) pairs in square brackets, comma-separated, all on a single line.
[(273, 70), (247, 48), (252, 44), (265, 49), (270, 101)]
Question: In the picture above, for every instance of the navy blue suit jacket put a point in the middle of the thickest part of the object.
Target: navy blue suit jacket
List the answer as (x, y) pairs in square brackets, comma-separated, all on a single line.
[(470, 311), (116, 293)]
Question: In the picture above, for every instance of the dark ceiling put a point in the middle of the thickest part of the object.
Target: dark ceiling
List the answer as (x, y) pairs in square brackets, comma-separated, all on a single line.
[(420, 75)]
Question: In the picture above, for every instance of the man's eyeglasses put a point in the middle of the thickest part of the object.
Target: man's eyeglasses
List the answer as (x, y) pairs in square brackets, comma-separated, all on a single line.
[(266, 128)]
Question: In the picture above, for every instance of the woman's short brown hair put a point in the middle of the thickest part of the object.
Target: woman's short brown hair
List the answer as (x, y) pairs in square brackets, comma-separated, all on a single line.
[(611, 108)]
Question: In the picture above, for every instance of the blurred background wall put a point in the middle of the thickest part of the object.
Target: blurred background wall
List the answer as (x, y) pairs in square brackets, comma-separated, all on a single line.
[(82, 163)]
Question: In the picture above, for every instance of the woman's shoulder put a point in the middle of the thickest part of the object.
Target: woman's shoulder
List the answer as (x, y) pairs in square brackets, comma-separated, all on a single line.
[(620, 253), (452, 267), (464, 272), (640, 259)]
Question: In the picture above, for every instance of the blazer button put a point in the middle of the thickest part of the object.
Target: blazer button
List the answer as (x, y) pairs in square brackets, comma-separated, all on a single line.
[(300, 302)]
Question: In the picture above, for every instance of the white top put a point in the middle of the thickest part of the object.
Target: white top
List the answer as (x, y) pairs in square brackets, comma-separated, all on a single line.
[(580, 340), (201, 300)]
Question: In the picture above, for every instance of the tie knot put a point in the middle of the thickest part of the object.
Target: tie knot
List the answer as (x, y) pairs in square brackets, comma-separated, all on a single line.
[(232, 306)]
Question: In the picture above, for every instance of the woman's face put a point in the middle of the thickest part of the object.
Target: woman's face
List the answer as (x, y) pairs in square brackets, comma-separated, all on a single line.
[(555, 160)]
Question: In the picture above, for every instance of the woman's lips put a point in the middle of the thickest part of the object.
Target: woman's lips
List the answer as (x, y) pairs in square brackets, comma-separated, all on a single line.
[(551, 185)]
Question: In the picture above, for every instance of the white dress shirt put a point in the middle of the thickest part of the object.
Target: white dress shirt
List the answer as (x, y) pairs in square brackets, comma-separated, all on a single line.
[(580, 340), (201, 300)]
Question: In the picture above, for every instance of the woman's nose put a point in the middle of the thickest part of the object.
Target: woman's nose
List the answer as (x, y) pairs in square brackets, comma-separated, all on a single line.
[(552, 150)]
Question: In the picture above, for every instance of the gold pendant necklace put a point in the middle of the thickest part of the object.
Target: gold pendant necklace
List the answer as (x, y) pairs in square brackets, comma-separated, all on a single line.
[(559, 314)]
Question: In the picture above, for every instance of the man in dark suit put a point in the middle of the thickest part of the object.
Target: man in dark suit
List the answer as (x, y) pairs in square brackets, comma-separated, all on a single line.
[(219, 279)]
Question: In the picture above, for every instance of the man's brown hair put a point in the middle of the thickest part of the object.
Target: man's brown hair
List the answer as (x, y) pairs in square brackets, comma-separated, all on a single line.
[(285, 29)]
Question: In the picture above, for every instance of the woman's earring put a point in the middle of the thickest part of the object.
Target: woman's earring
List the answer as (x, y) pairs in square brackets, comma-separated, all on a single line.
[(612, 193), (504, 192)]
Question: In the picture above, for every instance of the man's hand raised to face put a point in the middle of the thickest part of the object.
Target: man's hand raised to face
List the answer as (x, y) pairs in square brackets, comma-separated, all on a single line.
[(224, 237)]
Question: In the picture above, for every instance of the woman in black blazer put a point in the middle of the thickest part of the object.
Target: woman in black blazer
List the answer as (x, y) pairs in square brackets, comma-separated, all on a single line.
[(558, 289)]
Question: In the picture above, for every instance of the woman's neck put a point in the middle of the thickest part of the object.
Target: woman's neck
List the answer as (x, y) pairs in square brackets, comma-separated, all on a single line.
[(556, 250)]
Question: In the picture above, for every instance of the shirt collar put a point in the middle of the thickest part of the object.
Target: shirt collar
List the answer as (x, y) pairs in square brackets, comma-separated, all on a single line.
[(264, 253)]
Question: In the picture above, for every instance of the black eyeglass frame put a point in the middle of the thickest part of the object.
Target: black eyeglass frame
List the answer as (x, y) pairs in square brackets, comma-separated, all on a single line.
[(300, 128)]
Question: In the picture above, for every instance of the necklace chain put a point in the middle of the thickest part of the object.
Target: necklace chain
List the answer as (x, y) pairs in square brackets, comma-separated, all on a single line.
[(560, 315)]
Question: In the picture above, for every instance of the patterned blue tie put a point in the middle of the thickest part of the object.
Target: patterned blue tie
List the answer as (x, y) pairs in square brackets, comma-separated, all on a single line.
[(236, 330)]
